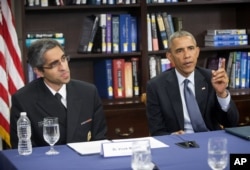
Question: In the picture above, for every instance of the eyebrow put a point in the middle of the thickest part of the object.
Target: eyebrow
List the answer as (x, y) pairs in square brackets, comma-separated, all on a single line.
[(52, 62)]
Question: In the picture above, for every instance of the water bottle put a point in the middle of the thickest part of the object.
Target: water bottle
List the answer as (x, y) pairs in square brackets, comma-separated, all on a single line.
[(24, 135)]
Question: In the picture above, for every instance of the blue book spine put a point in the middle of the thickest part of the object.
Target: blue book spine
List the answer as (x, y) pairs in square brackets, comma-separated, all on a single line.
[(115, 34), (237, 69), (125, 33), (226, 43), (29, 41), (234, 37), (243, 69), (133, 34), (248, 70), (109, 33), (103, 78)]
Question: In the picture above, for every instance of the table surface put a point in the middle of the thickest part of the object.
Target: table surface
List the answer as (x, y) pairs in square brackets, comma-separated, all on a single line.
[(171, 158)]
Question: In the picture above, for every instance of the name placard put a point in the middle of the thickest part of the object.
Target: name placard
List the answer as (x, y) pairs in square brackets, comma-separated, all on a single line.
[(115, 149)]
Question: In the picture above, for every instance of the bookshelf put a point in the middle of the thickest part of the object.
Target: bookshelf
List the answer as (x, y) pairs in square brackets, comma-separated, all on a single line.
[(197, 16)]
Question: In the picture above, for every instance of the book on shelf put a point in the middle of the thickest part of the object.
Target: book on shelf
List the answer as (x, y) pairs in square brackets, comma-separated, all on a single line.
[(248, 71), (243, 69), (115, 34), (111, 2), (155, 43), (118, 77), (45, 35), (149, 33), (133, 33), (109, 33), (103, 78), (166, 24), (226, 31), (171, 24), (104, 2), (232, 73), (165, 64), (154, 65), (29, 41), (79, 2), (94, 2), (237, 69), (97, 43), (232, 37), (135, 75), (177, 22), (225, 43), (93, 34), (44, 3), (229, 63), (162, 32), (125, 33), (90, 24), (103, 25), (128, 79)]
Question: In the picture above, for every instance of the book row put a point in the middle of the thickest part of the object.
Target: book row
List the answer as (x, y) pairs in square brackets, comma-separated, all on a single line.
[(237, 68), (109, 33), (158, 65), (46, 3), (167, 1), (117, 78), (226, 37), (103, 2), (160, 26)]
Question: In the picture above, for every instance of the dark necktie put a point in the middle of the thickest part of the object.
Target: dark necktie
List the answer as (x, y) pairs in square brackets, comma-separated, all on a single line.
[(193, 109), (59, 97)]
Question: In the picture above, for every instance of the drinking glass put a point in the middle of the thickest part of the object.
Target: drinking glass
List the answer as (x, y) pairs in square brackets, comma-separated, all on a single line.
[(217, 153), (51, 133), (141, 155)]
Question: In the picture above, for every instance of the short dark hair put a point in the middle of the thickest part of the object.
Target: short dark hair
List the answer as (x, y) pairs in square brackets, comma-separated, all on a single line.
[(178, 34), (38, 48)]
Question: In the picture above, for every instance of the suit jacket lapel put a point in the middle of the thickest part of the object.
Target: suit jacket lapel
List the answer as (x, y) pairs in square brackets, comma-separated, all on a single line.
[(201, 91), (47, 102), (74, 110), (175, 97)]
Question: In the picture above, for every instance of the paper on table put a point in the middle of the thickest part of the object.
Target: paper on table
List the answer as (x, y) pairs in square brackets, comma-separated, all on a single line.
[(154, 143), (88, 148)]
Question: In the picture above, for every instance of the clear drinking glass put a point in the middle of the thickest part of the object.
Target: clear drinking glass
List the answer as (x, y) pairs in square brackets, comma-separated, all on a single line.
[(141, 155), (217, 153), (51, 133)]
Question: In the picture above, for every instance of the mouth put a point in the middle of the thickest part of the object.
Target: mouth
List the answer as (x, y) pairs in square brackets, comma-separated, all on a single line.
[(188, 64), (65, 75)]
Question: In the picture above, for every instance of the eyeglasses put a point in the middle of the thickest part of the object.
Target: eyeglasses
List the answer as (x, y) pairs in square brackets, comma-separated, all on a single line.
[(56, 63)]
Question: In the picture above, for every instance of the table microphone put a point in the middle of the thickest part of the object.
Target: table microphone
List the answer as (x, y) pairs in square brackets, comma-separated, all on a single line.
[(186, 144)]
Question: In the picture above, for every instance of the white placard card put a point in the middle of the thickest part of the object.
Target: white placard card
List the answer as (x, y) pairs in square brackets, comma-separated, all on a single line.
[(114, 149)]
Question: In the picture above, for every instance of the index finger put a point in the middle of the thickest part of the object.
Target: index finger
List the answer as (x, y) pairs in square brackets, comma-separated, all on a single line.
[(222, 63)]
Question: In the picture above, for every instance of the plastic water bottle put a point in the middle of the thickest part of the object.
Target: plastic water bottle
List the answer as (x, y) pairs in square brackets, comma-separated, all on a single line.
[(24, 135)]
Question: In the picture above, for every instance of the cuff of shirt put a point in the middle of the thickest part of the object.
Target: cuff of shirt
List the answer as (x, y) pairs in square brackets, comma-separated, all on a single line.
[(224, 102)]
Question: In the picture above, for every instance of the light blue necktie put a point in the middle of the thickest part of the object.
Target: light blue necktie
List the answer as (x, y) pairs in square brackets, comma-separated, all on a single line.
[(193, 109)]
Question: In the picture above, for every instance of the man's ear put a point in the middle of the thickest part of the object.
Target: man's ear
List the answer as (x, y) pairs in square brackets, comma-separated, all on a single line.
[(38, 72), (169, 56)]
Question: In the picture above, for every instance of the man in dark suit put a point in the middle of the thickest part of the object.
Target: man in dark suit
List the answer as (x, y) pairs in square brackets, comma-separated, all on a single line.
[(79, 110), (166, 109)]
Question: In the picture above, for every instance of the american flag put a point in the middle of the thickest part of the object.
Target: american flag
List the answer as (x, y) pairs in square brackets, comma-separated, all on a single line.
[(11, 70)]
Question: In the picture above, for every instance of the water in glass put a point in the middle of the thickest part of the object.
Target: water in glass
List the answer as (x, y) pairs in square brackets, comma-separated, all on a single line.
[(51, 133)]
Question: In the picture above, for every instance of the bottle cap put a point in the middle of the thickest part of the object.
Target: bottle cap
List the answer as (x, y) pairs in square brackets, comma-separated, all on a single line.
[(23, 113)]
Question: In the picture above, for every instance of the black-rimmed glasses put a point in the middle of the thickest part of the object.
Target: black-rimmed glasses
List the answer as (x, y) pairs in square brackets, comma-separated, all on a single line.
[(56, 63)]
